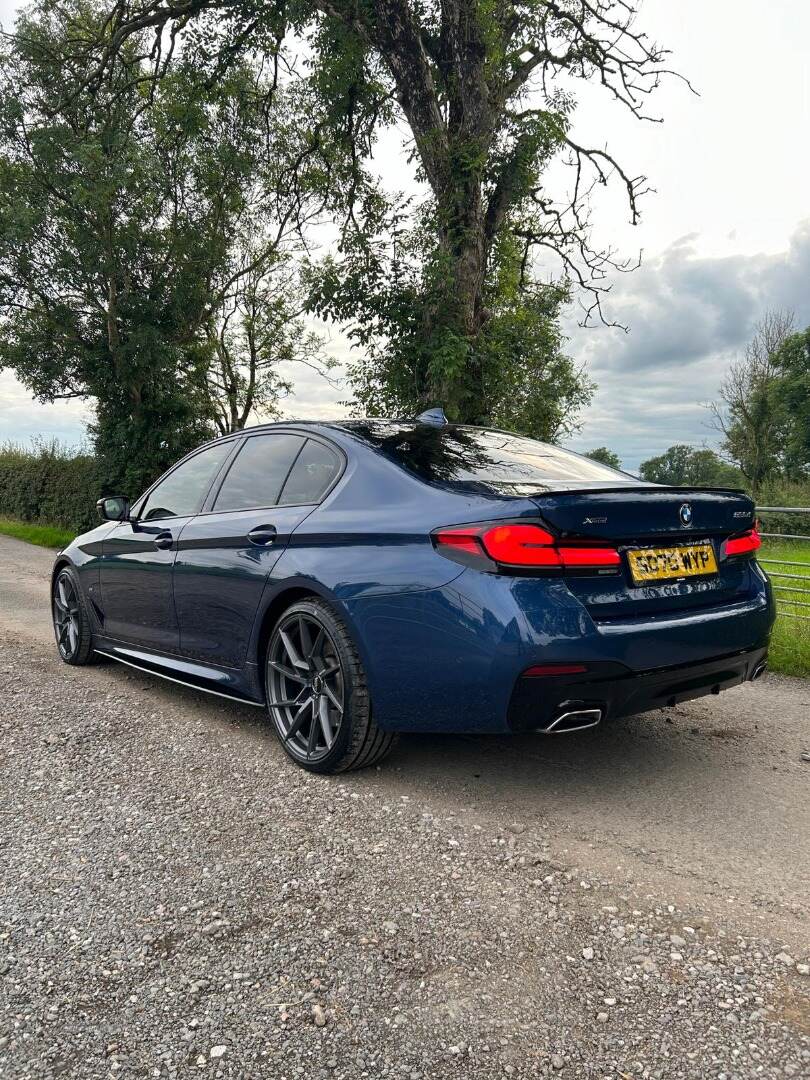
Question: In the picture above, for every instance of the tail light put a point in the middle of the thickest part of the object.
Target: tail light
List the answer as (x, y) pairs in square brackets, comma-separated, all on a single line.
[(517, 545), (745, 544)]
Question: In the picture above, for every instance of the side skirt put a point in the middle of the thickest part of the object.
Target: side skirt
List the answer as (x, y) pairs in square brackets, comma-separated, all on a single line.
[(195, 678)]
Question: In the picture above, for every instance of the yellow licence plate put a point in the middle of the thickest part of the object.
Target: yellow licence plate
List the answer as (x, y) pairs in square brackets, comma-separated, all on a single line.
[(661, 564)]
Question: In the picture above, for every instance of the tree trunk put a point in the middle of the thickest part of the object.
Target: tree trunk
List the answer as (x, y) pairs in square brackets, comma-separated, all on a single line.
[(455, 315)]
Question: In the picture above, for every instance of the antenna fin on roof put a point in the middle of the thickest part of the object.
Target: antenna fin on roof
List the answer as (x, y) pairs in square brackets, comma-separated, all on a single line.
[(433, 417)]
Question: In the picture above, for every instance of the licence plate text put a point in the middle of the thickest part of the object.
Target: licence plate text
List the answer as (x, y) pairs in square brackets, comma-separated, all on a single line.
[(660, 564)]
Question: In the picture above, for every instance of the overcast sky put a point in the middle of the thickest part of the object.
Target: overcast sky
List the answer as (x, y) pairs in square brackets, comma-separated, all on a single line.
[(725, 236)]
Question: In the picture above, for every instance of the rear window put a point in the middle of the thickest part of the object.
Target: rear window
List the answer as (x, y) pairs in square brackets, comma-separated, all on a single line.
[(314, 470), (259, 471), (477, 458)]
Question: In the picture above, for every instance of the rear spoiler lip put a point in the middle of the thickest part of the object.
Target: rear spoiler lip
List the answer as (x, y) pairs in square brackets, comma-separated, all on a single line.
[(641, 487)]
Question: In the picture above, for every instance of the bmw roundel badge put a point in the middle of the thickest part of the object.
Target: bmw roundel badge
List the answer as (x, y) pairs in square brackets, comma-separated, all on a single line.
[(685, 515)]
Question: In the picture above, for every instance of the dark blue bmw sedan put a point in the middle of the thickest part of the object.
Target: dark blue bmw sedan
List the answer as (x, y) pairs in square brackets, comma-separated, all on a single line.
[(366, 577)]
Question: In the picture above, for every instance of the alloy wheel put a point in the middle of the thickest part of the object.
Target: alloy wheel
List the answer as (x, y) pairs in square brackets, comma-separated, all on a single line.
[(66, 617), (305, 686)]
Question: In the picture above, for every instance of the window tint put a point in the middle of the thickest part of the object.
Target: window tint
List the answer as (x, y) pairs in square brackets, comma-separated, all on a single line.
[(314, 470), (183, 490), (473, 457), (259, 471)]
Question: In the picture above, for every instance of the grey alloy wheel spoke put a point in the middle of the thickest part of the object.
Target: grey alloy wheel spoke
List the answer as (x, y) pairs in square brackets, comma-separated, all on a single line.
[(329, 692), (288, 673), (305, 686), (312, 738), (298, 720), (66, 617), (292, 652), (313, 655), (305, 639), (326, 724)]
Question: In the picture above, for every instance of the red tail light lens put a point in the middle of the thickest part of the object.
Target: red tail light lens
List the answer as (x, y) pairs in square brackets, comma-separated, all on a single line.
[(458, 540), (745, 544), (588, 556), (523, 545), (520, 545)]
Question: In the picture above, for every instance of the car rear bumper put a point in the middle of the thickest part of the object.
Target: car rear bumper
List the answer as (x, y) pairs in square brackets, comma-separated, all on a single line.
[(609, 690), (449, 659)]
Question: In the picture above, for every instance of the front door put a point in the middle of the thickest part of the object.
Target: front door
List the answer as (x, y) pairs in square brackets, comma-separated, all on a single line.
[(137, 601)]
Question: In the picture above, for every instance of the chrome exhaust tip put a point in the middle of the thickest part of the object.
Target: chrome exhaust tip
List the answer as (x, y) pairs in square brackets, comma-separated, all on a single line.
[(759, 670), (572, 720)]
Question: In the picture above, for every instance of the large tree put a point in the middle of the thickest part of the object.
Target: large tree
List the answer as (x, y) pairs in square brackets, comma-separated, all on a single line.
[(484, 92), (133, 217)]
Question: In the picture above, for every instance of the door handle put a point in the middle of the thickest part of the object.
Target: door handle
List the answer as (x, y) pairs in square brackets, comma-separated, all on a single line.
[(262, 535), (163, 540)]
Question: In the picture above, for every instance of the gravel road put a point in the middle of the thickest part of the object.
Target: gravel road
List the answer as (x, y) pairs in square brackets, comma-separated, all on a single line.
[(176, 899)]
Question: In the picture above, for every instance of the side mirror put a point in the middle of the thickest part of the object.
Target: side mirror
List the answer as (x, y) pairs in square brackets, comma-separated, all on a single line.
[(113, 508)]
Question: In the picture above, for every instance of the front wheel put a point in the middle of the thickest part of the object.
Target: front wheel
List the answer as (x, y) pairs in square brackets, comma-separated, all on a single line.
[(317, 695), (71, 622)]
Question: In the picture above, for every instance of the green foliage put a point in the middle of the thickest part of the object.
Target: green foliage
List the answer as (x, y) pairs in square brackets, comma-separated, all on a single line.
[(754, 415), (688, 466), (791, 396), (131, 216), (778, 491), (606, 456), (50, 485), (513, 373)]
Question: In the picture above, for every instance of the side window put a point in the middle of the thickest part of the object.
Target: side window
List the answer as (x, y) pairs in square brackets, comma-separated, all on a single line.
[(314, 470), (183, 490), (259, 471)]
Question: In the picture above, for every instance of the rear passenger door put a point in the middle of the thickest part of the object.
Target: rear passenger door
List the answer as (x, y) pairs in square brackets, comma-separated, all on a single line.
[(273, 482)]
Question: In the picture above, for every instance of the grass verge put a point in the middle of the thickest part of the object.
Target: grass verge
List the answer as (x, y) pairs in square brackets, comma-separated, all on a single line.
[(790, 644), (48, 536)]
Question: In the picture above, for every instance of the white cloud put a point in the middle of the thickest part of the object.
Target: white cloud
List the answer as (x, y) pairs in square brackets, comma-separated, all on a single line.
[(689, 316), (23, 419)]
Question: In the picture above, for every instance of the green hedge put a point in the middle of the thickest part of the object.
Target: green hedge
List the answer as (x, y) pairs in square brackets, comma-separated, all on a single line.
[(49, 485)]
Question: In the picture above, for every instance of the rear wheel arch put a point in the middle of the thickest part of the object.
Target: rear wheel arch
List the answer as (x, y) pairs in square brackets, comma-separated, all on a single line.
[(279, 604), (286, 597)]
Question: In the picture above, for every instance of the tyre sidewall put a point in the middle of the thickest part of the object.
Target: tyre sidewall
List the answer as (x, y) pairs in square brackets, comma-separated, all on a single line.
[(356, 705), (84, 652)]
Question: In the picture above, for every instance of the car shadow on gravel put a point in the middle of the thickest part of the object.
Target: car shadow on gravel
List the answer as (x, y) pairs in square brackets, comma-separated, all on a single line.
[(687, 745)]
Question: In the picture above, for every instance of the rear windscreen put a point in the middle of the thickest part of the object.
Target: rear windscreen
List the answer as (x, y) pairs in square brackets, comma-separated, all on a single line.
[(475, 457)]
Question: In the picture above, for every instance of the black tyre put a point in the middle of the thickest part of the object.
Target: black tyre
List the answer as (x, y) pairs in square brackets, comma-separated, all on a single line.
[(71, 619), (317, 695)]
